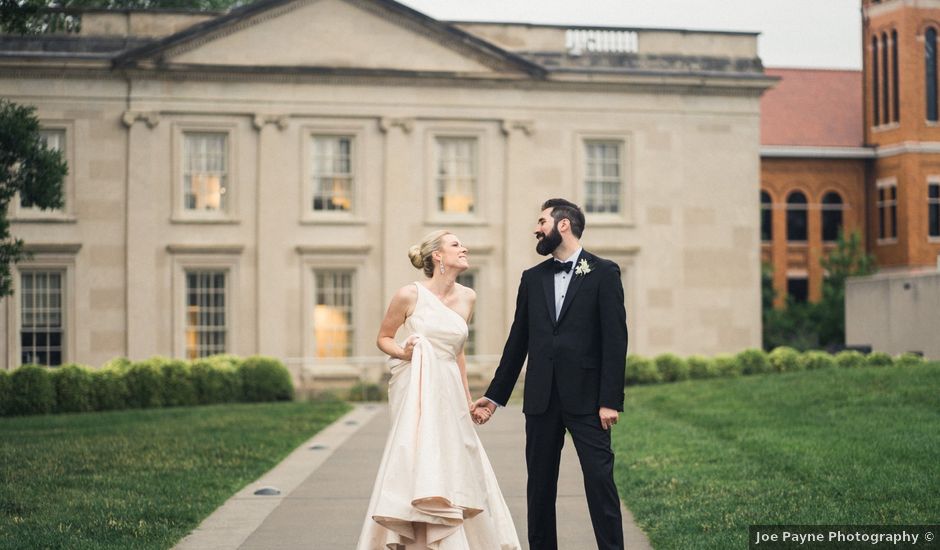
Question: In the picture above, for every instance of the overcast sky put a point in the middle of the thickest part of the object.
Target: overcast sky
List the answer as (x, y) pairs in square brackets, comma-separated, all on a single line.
[(794, 33)]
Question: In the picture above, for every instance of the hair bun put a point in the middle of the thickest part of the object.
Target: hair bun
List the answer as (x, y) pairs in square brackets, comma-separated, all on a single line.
[(414, 254)]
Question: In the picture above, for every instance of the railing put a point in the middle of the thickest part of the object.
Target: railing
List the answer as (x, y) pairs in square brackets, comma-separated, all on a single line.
[(578, 41)]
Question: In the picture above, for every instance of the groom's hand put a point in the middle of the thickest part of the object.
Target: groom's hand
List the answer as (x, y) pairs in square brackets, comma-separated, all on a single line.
[(482, 409), (609, 417)]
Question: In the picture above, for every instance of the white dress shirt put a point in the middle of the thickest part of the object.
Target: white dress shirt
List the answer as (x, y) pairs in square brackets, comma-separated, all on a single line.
[(562, 280)]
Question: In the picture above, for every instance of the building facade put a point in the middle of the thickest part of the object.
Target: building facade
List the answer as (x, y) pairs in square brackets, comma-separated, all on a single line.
[(857, 151), (250, 182)]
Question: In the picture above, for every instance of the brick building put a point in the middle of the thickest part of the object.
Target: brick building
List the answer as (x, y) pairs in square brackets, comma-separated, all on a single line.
[(855, 150)]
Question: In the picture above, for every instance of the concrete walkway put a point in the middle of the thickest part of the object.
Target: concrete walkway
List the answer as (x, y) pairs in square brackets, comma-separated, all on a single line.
[(326, 484)]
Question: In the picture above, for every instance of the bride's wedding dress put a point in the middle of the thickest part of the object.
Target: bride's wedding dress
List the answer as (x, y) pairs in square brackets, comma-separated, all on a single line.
[(435, 487)]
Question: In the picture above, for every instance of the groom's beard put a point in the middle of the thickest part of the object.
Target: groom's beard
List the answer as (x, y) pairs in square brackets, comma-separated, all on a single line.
[(548, 243)]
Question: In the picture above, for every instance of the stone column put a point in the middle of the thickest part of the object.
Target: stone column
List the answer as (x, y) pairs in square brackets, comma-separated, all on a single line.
[(520, 212), (271, 330), (401, 206), (143, 318)]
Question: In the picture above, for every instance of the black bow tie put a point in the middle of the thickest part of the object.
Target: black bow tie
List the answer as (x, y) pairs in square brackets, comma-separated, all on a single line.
[(562, 266)]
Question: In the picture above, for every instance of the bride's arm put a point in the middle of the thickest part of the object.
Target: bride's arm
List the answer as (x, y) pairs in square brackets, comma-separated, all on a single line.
[(401, 306)]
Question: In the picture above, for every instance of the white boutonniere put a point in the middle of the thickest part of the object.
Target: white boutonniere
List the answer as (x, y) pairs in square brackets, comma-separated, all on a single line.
[(583, 268)]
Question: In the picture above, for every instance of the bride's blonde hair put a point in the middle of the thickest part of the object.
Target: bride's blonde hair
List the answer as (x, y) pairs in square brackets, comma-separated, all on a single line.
[(420, 254)]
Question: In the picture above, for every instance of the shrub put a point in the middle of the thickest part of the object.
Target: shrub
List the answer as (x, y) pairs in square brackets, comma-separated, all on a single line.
[(909, 360), (813, 360), (265, 379), (753, 361), (33, 390), (671, 367), (850, 359), (177, 384), (109, 388), (640, 370), (215, 382), (73, 389), (144, 383), (223, 360), (6, 392), (726, 365), (120, 364), (362, 391), (784, 359), (878, 359), (701, 367)]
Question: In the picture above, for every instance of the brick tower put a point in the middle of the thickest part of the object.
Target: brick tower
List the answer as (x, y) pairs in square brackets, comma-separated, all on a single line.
[(902, 124)]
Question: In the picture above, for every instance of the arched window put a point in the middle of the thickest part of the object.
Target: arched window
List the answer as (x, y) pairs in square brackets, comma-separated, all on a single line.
[(930, 72), (766, 217), (885, 113), (831, 216), (875, 73), (796, 217), (895, 78)]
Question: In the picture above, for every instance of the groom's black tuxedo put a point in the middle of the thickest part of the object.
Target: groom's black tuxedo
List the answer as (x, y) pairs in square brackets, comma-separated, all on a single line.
[(583, 352), (576, 365)]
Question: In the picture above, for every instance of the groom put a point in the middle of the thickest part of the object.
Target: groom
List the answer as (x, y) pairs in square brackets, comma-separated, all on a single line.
[(571, 323)]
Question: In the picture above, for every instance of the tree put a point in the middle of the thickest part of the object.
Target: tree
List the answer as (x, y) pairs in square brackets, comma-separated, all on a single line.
[(847, 259), (43, 16), (27, 168)]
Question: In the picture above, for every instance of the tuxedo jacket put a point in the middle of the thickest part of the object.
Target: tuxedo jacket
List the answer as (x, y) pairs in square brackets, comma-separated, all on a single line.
[(584, 351)]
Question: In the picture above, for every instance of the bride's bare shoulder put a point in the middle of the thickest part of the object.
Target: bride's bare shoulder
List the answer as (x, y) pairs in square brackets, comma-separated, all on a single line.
[(407, 294)]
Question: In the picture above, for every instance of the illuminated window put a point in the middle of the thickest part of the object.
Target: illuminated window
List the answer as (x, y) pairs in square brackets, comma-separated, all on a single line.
[(766, 217), (332, 314), (205, 313), (796, 217), (933, 209), (469, 279), (41, 322), (332, 177), (887, 206), (456, 174), (831, 216), (602, 176), (205, 171)]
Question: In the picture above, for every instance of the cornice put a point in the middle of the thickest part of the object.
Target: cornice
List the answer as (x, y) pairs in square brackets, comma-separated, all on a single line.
[(52, 248), (313, 250), (795, 151), (223, 249)]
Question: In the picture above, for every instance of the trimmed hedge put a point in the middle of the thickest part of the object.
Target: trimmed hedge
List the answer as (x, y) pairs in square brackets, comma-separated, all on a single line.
[(154, 382), (671, 368)]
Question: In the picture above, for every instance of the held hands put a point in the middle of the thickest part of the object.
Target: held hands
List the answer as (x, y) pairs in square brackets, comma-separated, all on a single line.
[(482, 410), (608, 417)]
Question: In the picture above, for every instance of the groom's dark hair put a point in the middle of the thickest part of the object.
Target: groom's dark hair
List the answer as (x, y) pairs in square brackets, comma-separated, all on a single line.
[(562, 209)]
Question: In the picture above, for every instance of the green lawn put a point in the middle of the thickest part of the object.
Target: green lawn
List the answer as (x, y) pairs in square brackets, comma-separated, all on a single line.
[(142, 478), (699, 461)]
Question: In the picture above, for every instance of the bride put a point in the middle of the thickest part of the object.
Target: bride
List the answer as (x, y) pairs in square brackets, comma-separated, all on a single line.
[(435, 488)]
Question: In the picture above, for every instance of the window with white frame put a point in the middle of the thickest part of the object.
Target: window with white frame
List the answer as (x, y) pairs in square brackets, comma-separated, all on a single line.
[(469, 279), (52, 138), (205, 171), (887, 205), (333, 314), (41, 317), (457, 170), (332, 173), (933, 209), (602, 176), (206, 327)]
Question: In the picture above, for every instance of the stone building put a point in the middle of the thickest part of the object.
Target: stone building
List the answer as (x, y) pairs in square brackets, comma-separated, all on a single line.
[(250, 182)]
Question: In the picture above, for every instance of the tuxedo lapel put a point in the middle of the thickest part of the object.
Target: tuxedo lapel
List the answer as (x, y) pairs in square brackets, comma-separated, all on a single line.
[(548, 285), (574, 285)]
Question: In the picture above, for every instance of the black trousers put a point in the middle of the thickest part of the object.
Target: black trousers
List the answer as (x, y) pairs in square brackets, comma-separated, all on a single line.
[(545, 437)]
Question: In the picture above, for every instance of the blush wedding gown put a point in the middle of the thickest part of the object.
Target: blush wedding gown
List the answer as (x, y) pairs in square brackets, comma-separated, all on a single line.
[(435, 487)]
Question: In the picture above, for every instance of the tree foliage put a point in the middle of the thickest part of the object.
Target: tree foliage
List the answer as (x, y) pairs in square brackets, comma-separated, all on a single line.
[(27, 168), (807, 326)]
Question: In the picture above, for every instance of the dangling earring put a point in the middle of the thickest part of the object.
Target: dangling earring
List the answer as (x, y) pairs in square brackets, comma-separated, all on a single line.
[(442, 267)]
